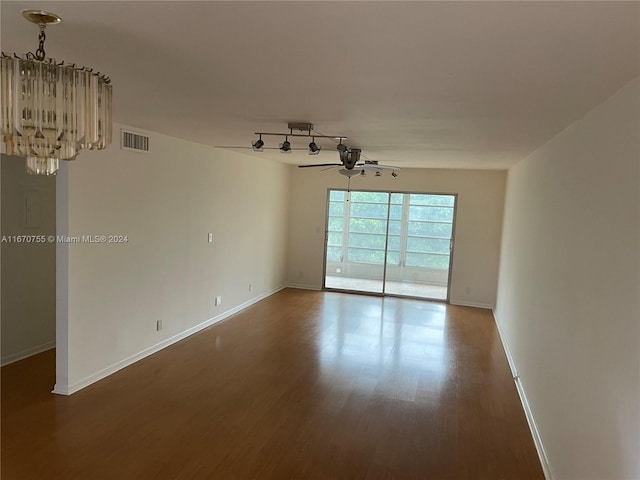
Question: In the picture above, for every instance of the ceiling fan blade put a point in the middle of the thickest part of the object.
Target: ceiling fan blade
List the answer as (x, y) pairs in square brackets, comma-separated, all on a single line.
[(321, 165)]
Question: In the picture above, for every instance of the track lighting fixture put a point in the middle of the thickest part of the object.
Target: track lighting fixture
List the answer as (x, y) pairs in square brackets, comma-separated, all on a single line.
[(313, 148), (394, 174), (378, 173), (285, 147), (258, 145)]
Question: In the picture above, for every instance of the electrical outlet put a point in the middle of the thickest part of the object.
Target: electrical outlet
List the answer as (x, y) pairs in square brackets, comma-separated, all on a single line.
[(158, 325), (250, 287), (210, 238), (218, 301)]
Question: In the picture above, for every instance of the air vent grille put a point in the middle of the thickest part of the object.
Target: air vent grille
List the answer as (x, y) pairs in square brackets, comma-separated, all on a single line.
[(134, 142)]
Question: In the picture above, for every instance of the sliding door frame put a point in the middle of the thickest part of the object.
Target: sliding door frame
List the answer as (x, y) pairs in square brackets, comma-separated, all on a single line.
[(452, 243)]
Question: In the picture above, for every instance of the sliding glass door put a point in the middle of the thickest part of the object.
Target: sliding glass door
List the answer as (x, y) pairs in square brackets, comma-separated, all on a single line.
[(389, 243), (356, 240)]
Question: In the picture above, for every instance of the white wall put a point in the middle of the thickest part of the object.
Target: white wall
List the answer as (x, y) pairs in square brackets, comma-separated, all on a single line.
[(569, 286), (28, 269), (166, 202), (477, 235)]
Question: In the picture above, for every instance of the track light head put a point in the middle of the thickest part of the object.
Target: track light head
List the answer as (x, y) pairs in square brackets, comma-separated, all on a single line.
[(313, 148), (378, 173), (258, 145), (285, 147), (394, 174)]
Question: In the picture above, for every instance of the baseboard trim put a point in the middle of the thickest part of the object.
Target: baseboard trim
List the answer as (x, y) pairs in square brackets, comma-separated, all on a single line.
[(105, 372), (29, 352), (535, 433), (304, 287), (486, 306)]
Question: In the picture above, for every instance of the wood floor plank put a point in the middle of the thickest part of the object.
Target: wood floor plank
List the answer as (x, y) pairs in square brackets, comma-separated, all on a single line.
[(303, 385)]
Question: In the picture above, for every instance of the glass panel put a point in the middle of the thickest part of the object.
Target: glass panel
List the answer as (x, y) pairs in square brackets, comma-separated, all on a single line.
[(396, 212), (393, 258), (367, 225), (428, 245), (369, 210), (370, 197), (336, 196), (397, 198), (423, 247), (437, 214), (334, 239), (360, 265), (427, 260), (367, 240), (394, 227), (422, 199), (334, 254), (365, 255), (335, 224), (336, 209), (428, 229)]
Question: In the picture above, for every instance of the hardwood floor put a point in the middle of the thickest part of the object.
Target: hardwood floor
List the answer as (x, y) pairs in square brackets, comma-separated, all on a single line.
[(303, 385)]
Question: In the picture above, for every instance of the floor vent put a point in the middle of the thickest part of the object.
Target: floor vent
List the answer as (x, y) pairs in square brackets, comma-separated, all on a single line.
[(134, 142)]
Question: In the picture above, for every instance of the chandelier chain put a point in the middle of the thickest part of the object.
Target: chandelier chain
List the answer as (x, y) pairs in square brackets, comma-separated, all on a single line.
[(40, 54)]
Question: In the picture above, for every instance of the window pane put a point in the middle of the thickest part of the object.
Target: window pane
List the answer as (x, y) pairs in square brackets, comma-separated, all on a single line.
[(396, 212), (420, 199), (426, 229), (438, 214), (336, 209), (394, 242), (426, 260), (427, 245), (336, 195), (393, 258), (369, 210), (394, 227), (366, 240), (334, 239), (334, 254), (335, 224), (370, 197), (367, 225), (366, 256), (396, 198)]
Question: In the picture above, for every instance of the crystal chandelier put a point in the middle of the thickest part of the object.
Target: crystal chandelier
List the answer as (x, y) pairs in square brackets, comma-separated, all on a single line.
[(50, 111)]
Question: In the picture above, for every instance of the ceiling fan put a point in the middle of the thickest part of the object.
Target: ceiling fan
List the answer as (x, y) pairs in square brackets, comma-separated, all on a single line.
[(352, 166)]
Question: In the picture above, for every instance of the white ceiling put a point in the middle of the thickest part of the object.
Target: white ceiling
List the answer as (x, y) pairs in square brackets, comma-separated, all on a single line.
[(423, 84)]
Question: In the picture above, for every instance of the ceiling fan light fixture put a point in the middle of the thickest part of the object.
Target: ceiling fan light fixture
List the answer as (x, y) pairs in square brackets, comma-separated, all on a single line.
[(349, 173), (258, 145), (51, 110)]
